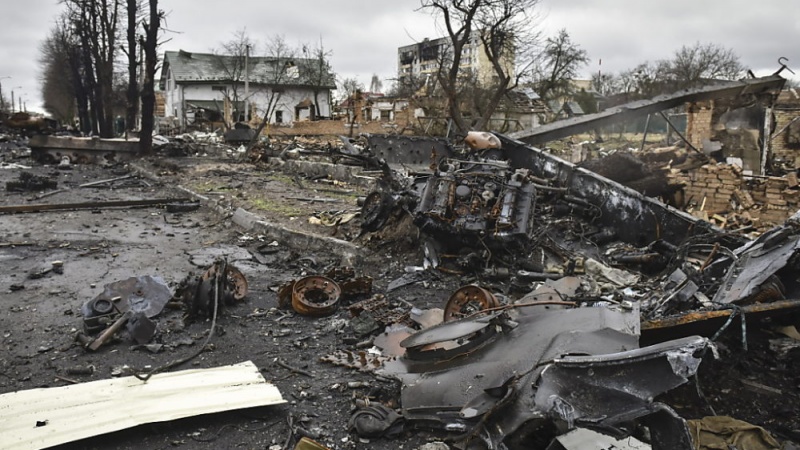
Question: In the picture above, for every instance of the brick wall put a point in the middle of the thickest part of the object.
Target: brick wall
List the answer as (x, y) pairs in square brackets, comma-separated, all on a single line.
[(711, 186), (721, 189), (699, 116), (342, 127)]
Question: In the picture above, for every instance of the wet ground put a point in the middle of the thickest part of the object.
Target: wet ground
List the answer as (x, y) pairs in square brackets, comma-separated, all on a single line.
[(40, 314)]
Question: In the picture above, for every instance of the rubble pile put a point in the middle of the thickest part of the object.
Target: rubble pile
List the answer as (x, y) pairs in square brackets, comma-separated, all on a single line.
[(541, 303), (721, 192)]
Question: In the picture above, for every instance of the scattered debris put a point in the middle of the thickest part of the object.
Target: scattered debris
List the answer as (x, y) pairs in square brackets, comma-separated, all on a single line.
[(30, 182), (130, 303), (221, 284)]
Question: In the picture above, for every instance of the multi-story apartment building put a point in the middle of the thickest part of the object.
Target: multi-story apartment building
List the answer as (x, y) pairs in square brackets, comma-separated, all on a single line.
[(421, 61)]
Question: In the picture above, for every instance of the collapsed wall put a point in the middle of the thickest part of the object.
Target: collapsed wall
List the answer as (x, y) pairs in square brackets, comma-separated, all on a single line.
[(736, 127), (722, 189)]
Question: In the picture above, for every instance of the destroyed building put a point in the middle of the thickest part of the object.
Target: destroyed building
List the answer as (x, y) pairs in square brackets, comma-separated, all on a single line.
[(200, 86)]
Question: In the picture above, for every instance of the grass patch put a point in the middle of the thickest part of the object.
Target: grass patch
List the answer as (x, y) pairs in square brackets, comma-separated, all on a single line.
[(278, 207), (281, 177), (206, 186)]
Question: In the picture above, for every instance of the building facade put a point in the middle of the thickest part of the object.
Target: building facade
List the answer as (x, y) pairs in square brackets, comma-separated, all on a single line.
[(422, 60), (203, 86)]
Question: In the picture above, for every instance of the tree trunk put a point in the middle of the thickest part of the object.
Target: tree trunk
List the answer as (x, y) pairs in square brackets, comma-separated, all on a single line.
[(133, 88), (150, 45)]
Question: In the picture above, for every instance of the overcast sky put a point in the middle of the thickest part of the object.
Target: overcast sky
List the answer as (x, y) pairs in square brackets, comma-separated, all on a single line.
[(364, 35)]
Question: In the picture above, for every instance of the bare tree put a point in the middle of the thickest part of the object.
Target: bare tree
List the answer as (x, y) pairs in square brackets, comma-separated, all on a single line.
[(352, 90), (231, 58), (502, 30), (132, 91), (150, 46), (318, 71), (57, 53), (558, 65), (95, 23), (280, 69), (605, 83), (692, 65)]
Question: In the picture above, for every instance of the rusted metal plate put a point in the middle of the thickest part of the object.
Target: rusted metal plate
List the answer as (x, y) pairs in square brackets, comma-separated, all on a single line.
[(418, 150), (82, 150)]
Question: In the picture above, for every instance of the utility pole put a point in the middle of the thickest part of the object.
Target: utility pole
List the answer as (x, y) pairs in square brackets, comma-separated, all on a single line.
[(12, 99), (247, 83)]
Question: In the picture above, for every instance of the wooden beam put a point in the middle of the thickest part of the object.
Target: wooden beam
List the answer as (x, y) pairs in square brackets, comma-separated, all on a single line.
[(89, 205)]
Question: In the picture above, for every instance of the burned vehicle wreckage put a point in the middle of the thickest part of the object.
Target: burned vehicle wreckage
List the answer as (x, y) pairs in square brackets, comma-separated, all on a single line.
[(603, 298)]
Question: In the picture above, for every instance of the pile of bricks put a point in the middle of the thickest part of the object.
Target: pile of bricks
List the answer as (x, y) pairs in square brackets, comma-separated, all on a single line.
[(719, 193), (778, 196)]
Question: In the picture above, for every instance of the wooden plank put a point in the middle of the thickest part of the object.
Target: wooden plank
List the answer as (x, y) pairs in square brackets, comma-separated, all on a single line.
[(90, 205), (39, 418)]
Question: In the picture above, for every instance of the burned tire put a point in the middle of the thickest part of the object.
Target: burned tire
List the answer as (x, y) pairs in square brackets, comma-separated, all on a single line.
[(376, 210)]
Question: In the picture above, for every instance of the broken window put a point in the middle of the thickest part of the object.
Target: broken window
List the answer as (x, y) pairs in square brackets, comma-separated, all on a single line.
[(279, 116)]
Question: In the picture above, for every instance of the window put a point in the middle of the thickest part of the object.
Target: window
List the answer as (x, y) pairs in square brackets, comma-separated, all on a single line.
[(278, 116)]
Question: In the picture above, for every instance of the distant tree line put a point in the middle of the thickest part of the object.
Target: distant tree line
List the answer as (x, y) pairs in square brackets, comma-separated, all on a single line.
[(690, 66)]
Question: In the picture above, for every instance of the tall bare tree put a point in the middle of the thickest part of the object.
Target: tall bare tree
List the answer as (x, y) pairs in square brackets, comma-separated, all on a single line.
[(503, 31), (132, 91), (352, 90), (57, 54), (282, 68), (692, 65), (230, 59), (95, 23), (318, 70), (150, 46), (558, 65)]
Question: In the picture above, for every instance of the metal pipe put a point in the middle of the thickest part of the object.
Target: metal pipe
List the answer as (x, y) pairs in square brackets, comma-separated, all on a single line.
[(680, 135), (646, 127)]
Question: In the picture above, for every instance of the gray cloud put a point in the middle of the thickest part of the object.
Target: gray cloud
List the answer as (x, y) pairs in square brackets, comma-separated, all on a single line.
[(364, 36)]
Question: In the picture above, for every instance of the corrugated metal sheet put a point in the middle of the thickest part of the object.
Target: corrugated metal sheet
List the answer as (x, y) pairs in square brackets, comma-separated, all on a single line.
[(40, 418)]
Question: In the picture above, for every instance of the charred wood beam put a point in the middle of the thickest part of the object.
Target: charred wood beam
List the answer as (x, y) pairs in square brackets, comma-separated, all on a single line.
[(89, 205), (707, 323), (621, 113)]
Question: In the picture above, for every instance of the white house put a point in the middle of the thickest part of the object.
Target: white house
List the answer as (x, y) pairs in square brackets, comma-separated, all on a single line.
[(204, 85)]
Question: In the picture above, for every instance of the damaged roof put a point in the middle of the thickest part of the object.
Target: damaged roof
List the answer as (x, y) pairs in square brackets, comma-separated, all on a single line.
[(189, 67)]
